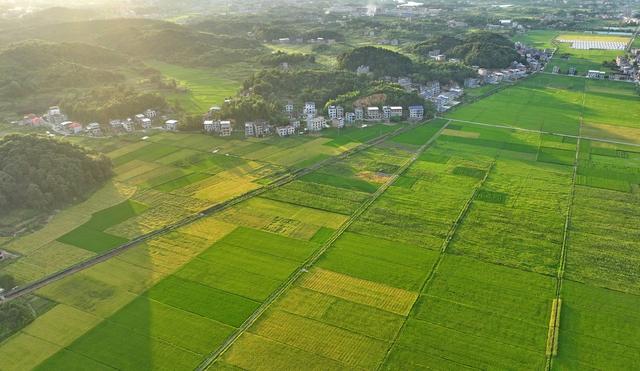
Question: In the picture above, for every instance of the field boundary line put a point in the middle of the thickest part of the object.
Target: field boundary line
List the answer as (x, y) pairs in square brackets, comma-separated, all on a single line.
[(554, 321), (278, 182), (579, 136), (443, 250), (307, 264)]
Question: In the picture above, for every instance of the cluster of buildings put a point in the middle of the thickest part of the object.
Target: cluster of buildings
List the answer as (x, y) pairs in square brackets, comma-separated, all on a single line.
[(309, 120), (140, 121), (536, 58), (59, 123), (300, 40), (628, 66)]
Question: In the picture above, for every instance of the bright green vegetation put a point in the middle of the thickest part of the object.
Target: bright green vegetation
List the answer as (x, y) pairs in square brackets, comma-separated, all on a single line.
[(583, 60), (91, 236), (204, 278), (587, 332), (205, 87), (455, 265), (421, 134), (556, 103), (492, 230), (547, 103), (477, 315), (489, 300), (602, 245), (541, 39)]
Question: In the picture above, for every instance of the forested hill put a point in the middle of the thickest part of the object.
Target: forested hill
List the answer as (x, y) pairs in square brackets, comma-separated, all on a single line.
[(143, 38), (42, 174), (484, 49), (383, 62), (37, 74)]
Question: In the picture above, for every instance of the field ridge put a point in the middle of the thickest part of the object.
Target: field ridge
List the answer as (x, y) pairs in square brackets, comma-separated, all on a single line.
[(317, 254)]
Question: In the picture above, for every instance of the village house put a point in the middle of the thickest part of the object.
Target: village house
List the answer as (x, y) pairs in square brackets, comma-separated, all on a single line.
[(150, 114), (214, 112), (309, 109), (594, 74), (139, 117), (471, 83), (386, 112), (373, 113), (338, 122), (285, 131), (316, 123), (295, 123), (396, 111), (430, 90), (128, 125), (93, 129), (211, 126), (416, 112), (171, 125), (359, 114), (335, 112), (146, 123), (440, 58), (257, 129), (225, 128), (69, 128), (405, 82), (32, 120), (54, 116), (350, 117)]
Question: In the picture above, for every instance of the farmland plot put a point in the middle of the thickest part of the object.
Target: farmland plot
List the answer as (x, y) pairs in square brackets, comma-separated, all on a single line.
[(603, 242), (477, 315), (598, 329), (422, 215), (542, 102), (518, 218)]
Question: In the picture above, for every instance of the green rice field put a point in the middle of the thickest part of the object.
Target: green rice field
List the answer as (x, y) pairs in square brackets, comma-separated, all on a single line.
[(501, 236)]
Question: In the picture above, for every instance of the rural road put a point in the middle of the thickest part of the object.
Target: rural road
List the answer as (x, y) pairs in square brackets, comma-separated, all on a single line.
[(31, 287)]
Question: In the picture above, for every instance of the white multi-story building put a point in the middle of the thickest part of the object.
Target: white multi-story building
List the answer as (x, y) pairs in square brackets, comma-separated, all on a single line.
[(225, 128), (285, 131), (416, 112), (593, 74), (146, 123), (310, 108), (396, 111), (333, 112), (386, 112), (211, 126), (256, 129), (128, 125), (350, 117), (171, 125), (373, 113), (359, 114), (430, 90), (316, 123)]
